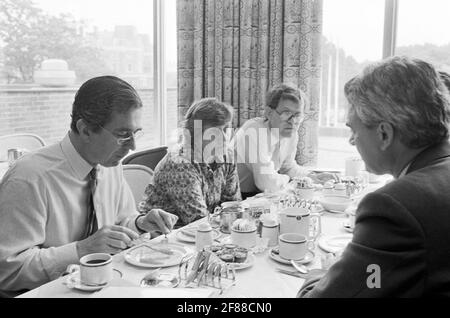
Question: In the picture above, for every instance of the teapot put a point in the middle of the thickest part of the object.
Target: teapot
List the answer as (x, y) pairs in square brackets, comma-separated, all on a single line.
[(225, 214)]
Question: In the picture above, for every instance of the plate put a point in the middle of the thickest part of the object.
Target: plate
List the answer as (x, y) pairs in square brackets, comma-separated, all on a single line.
[(73, 281), (248, 263), (347, 226), (167, 280), (276, 257), (334, 211), (183, 237), (144, 256), (334, 244)]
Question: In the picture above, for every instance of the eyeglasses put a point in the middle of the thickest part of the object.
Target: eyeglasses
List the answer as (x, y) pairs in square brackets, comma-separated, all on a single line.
[(287, 115), (125, 139)]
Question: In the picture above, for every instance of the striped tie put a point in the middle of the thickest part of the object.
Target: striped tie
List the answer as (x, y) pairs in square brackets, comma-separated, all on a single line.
[(92, 218)]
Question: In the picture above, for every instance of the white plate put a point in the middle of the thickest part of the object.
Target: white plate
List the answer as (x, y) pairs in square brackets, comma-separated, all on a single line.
[(73, 281), (334, 244), (181, 236), (347, 226), (334, 211), (248, 262), (276, 257), (142, 255), (166, 280)]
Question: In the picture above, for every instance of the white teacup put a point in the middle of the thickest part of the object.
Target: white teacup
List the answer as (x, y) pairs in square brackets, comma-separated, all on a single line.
[(95, 269), (301, 221), (243, 239), (294, 246)]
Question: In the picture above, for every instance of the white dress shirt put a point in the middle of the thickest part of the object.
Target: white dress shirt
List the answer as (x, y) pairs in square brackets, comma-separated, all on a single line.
[(43, 212), (266, 162)]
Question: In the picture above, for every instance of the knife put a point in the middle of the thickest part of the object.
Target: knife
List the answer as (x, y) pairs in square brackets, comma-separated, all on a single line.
[(291, 273)]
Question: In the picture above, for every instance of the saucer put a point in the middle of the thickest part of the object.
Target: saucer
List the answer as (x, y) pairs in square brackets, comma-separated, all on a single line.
[(161, 280), (347, 227), (73, 281), (276, 257), (336, 243)]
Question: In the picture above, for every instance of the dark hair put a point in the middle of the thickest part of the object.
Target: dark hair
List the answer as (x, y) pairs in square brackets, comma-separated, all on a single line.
[(407, 93), (285, 91), (99, 97)]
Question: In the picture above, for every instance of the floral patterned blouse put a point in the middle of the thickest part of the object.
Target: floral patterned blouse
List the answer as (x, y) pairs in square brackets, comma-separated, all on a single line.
[(189, 189)]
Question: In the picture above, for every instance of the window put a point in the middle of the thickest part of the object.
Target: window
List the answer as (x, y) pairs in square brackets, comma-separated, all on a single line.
[(423, 31), (46, 54), (171, 72), (352, 38)]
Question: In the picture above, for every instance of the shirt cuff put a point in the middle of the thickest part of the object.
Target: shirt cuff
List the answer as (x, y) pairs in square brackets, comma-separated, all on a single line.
[(56, 259)]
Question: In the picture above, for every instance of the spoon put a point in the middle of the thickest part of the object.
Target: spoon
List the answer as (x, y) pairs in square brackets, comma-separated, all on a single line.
[(301, 268)]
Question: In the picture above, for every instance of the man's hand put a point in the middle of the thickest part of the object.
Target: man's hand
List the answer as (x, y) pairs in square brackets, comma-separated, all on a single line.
[(157, 220), (109, 239)]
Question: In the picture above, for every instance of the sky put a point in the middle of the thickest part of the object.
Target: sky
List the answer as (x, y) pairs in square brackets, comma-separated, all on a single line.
[(355, 25), (107, 13)]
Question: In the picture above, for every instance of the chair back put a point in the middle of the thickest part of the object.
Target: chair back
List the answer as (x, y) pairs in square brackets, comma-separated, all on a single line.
[(149, 158), (27, 142), (138, 178)]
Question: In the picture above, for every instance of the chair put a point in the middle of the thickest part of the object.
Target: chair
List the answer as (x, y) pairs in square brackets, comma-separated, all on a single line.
[(28, 142), (138, 177), (149, 158)]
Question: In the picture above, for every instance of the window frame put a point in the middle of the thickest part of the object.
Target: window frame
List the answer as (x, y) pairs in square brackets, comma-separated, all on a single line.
[(159, 69), (390, 27)]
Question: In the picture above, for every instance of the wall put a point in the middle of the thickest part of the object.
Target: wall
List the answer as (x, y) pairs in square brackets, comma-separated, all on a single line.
[(46, 112)]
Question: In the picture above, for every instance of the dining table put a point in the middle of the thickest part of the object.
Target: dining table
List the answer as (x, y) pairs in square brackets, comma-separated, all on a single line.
[(262, 277)]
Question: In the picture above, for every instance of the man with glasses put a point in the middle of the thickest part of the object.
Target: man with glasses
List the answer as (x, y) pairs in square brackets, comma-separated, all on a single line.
[(71, 199), (266, 147)]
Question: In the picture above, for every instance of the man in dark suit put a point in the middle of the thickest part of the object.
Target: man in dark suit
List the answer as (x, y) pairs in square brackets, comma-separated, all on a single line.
[(399, 115)]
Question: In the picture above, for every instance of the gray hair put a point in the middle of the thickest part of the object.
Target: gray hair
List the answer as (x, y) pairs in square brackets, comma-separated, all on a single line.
[(407, 93), (445, 77)]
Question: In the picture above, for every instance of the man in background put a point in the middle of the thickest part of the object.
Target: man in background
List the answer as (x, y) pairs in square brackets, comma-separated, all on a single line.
[(266, 146)]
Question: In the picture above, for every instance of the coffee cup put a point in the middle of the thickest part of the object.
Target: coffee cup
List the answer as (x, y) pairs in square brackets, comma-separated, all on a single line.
[(301, 221), (94, 269), (294, 246)]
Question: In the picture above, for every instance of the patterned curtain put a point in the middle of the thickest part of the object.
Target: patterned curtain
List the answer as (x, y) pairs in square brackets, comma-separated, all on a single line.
[(236, 50)]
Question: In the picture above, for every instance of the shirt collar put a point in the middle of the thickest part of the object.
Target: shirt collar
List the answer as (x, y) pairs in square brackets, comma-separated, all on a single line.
[(405, 169), (80, 166)]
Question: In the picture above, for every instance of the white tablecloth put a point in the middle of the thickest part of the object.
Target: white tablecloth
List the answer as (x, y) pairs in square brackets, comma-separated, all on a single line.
[(258, 281)]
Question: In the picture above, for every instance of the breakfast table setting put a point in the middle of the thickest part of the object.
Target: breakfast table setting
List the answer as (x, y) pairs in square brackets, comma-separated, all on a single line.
[(262, 247)]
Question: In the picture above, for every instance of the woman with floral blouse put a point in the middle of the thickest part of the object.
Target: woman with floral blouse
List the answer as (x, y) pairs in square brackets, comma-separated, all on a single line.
[(200, 174)]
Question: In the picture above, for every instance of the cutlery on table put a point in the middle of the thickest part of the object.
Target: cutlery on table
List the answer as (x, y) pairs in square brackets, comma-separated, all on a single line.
[(163, 250), (291, 273), (301, 268)]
